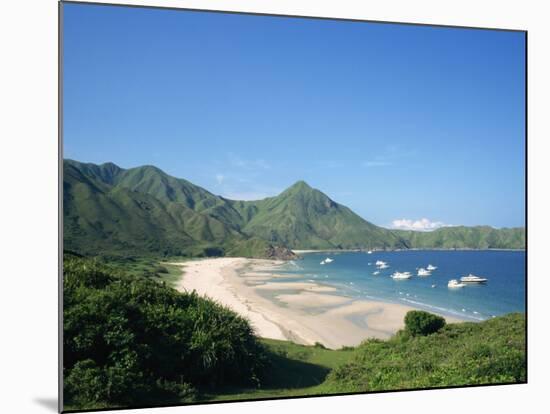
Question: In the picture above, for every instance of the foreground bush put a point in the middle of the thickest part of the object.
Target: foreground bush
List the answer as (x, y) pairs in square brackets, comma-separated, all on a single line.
[(128, 340), (423, 323)]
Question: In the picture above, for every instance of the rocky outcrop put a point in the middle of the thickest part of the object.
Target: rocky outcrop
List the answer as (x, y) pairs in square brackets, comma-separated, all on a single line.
[(280, 253)]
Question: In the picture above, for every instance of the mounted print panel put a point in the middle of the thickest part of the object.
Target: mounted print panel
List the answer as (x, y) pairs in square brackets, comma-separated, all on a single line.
[(259, 207)]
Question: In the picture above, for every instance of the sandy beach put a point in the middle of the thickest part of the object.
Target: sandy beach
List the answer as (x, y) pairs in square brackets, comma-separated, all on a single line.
[(303, 312)]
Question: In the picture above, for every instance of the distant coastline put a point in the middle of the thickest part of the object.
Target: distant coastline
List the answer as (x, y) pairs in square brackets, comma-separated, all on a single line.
[(305, 251)]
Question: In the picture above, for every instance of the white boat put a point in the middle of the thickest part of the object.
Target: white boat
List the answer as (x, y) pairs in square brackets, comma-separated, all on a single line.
[(381, 264), (329, 260), (453, 283), (473, 279), (369, 252), (376, 273), (401, 275), (322, 262), (434, 286), (423, 272), (431, 267)]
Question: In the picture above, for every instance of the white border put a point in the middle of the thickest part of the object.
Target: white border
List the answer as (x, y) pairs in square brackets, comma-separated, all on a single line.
[(28, 206)]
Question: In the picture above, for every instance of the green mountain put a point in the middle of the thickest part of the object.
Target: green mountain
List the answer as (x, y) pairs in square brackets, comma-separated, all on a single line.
[(305, 218), (108, 210), (144, 211), (461, 237)]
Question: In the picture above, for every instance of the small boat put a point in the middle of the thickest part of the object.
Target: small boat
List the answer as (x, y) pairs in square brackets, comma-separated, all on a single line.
[(401, 275), (369, 252), (381, 264), (322, 262), (423, 272), (453, 283), (431, 267), (376, 273), (473, 279), (329, 260), (434, 286)]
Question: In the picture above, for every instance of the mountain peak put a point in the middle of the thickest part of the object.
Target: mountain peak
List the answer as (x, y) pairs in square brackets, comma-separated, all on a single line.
[(300, 185), (111, 165)]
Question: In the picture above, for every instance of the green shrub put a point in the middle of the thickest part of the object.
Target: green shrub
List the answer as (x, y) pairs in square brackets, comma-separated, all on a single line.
[(160, 269), (129, 340), (85, 383), (423, 323)]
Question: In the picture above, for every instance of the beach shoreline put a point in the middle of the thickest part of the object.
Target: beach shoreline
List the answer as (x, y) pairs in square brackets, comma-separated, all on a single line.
[(302, 312)]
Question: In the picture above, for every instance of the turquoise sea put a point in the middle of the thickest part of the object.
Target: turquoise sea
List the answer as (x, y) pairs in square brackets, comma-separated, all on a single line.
[(352, 274)]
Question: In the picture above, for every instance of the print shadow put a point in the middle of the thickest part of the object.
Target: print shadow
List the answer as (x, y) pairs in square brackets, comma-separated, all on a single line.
[(49, 403)]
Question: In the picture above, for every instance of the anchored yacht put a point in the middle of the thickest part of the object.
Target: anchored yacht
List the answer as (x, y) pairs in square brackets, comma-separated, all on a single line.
[(473, 279), (401, 275), (455, 284), (423, 272)]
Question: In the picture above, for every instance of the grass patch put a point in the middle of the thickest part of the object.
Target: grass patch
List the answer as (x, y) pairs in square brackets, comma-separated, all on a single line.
[(145, 267), (294, 370), (171, 276)]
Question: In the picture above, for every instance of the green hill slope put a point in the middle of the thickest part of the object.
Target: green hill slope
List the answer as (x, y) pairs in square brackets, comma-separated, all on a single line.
[(104, 214), (305, 218), (460, 237), (465, 353), (143, 211)]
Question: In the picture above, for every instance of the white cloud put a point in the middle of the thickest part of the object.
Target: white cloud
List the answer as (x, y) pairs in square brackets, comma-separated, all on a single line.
[(220, 178), (423, 224)]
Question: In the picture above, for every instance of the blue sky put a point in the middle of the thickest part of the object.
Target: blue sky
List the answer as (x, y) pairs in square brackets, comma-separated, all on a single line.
[(397, 122)]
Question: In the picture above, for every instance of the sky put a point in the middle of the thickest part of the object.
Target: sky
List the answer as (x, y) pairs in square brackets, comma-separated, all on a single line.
[(409, 126)]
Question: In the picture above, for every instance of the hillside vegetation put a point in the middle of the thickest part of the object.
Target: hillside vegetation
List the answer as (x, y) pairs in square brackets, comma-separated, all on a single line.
[(143, 211), (465, 353), (128, 340), (461, 237)]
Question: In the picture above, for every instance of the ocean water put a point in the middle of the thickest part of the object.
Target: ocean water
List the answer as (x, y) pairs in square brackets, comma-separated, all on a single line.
[(352, 274)]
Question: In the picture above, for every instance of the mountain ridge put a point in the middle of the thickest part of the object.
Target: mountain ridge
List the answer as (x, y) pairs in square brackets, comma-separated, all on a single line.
[(143, 210)]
